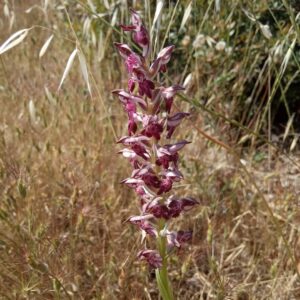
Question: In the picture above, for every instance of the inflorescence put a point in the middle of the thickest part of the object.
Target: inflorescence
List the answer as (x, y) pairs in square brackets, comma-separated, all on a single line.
[(148, 105)]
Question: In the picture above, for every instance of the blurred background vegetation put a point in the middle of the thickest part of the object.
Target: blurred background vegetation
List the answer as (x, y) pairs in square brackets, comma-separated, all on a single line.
[(62, 209)]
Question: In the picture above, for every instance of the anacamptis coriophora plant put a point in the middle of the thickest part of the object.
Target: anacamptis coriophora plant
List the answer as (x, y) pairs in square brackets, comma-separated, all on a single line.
[(148, 105)]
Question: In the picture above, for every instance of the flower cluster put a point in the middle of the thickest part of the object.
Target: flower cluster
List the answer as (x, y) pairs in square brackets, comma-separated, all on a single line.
[(150, 121)]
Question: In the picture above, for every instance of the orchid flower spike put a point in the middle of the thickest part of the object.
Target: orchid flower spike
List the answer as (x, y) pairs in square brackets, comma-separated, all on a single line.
[(155, 163)]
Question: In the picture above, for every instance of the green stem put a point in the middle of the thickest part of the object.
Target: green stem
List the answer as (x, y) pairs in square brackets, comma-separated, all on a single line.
[(162, 278)]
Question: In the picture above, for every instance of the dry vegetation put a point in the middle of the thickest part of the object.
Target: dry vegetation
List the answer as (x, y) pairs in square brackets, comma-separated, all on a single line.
[(62, 208)]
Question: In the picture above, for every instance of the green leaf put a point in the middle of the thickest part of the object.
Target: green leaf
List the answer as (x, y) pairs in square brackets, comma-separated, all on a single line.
[(162, 288)]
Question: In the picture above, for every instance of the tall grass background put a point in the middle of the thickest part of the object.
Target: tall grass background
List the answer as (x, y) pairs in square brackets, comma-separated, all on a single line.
[(62, 208)]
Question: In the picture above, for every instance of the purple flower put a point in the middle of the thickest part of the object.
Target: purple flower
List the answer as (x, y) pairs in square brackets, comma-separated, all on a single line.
[(152, 257), (165, 185), (129, 100), (159, 211), (131, 85), (140, 150), (174, 148), (125, 51), (153, 127), (132, 60), (163, 57), (164, 159), (137, 144), (172, 173), (132, 156), (140, 33), (177, 239), (149, 177), (172, 208), (142, 39), (184, 236), (145, 226), (174, 121), (169, 93), (129, 103), (146, 195), (145, 87), (132, 127), (165, 54), (135, 66), (168, 153), (176, 206)]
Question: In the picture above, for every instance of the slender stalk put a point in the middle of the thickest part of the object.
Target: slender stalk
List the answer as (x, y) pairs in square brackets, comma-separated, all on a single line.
[(162, 277)]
